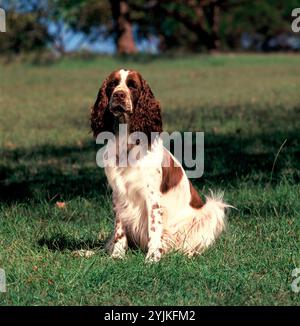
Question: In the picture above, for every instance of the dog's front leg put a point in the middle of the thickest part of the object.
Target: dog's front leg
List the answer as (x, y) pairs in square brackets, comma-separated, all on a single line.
[(155, 227), (119, 240)]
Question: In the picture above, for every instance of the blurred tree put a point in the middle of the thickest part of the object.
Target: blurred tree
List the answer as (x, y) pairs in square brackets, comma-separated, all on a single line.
[(192, 24), (25, 32), (98, 17), (200, 19), (263, 20), (212, 24), (123, 28), (92, 17), (189, 25)]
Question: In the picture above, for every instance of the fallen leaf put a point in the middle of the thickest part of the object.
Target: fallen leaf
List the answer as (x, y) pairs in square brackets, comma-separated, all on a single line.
[(10, 145), (60, 204), (79, 143)]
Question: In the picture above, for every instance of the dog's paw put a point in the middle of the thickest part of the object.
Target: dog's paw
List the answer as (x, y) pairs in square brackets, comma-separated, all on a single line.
[(153, 256), (83, 253), (118, 254), (118, 251)]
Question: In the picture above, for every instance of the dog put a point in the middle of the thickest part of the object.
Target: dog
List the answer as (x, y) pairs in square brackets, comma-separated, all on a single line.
[(156, 207)]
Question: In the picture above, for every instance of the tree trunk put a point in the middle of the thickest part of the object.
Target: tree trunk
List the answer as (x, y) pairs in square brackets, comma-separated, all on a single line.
[(211, 15), (123, 29), (214, 21)]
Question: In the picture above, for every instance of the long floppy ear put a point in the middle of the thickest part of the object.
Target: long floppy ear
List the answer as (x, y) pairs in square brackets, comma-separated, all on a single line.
[(147, 115), (101, 118)]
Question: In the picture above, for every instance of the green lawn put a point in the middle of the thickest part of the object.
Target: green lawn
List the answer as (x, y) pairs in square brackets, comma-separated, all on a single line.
[(246, 105)]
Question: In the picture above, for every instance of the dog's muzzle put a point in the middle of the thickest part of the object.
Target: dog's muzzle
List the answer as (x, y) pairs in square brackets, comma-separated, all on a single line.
[(119, 104)]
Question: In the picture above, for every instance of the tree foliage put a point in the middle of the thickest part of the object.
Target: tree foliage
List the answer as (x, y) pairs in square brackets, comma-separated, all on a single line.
[(191, 25), (25, 32)]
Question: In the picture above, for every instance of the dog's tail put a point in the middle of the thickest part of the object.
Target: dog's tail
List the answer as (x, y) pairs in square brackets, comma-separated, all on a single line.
[(200, 227)]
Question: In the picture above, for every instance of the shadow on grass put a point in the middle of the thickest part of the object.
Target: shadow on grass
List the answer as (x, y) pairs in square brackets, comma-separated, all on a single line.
[(59, 242), (54, 173), (50, 173)]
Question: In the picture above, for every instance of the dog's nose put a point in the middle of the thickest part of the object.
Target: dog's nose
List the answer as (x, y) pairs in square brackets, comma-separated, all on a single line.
[(119, 96)]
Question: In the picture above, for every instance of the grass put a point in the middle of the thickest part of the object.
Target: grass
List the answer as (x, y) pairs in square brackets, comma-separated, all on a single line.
[(246, 105)]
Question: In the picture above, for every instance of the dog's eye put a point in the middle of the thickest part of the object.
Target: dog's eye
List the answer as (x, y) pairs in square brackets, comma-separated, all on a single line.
[(112, 84), (132, 84)]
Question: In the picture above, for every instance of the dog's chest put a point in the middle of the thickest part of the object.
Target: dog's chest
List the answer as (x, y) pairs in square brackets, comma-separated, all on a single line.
[(136, 180), (127, 182), (133, 183), (131, 191)]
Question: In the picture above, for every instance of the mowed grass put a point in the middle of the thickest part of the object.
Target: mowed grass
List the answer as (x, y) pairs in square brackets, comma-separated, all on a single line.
[(246, 105)]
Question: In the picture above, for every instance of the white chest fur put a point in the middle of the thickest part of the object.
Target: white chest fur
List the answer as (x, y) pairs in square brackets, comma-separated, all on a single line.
[(132, 186)]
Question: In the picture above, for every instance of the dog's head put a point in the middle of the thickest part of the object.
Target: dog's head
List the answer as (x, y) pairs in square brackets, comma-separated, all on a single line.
[(125, 97)]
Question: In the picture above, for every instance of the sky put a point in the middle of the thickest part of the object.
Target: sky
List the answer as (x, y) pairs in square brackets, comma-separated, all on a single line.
[(75, 41)]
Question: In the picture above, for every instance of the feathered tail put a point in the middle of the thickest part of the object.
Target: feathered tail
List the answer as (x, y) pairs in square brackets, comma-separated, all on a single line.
[(199, 228)]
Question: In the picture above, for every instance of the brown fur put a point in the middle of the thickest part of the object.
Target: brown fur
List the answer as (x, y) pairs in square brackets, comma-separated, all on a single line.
[(147, 113), (146, 116), (171, 175), (101, 118), (196, 201)]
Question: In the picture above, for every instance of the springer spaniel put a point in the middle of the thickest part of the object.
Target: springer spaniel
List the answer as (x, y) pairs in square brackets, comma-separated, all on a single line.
[(156, 207)]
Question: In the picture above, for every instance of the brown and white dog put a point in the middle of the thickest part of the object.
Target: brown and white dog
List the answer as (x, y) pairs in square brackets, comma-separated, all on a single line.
[(156, 207)]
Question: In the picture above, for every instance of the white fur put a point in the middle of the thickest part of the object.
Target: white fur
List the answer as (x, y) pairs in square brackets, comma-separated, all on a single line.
[(179, 227), (122, 86), (123, 73)]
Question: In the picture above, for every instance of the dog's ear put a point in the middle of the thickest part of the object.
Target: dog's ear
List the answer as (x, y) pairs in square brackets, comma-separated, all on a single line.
[(101, 118), (146, 117)]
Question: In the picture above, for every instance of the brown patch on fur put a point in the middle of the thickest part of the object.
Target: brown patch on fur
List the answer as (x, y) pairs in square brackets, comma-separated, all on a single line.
[(146, 115), (195, 201), (171, 174), (152, 217), (101, 118), (119, 236), (155, 206), (153, 229)]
